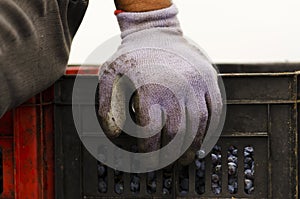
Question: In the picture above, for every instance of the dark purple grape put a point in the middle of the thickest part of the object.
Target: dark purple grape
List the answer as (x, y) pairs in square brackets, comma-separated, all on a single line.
[(231, 189), (249, 149), (215, 185), (232, 185), (215, 178), (168, 183), (234, 152), (183, 192), (214, 158), (102, 186), (248, 160), (216, 190), (200, 154), (250, 191), (135, 184), (231, 168), (165, 191), (198, 164), (134, 187), (232, 158), (252, 166), (246, 154), (249, 174), (184, 184), (247, 166), (248, 184), (218, 168), (101, 170), (235, 184), (231, 180), (119, 188)]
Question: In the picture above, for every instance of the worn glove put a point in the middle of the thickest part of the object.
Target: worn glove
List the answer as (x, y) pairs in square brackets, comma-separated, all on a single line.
[(176, 87)]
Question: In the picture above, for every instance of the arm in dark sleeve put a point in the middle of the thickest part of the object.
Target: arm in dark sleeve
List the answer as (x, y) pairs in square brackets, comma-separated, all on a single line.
[(35, 40)]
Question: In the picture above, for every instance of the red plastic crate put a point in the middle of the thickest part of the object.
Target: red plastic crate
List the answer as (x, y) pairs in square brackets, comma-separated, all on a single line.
[(27, 140), (27, 144)]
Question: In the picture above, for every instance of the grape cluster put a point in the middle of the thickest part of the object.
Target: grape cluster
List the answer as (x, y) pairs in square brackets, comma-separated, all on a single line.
[(232, 161), (102, 178), (184, 180), (249, 169), (200, 176), (216, 177), (151, 182), (167, 174)]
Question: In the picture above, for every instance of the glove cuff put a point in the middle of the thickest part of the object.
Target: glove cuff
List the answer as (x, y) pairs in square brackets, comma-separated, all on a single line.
[(131, 22)]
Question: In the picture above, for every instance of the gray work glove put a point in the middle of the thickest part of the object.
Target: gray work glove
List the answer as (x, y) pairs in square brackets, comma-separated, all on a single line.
[(176, 86)]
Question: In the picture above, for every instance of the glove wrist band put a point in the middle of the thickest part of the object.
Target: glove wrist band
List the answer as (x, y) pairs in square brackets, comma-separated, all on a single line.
[(131, 22)]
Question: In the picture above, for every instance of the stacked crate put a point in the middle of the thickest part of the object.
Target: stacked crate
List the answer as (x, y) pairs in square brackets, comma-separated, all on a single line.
[(26, 150)]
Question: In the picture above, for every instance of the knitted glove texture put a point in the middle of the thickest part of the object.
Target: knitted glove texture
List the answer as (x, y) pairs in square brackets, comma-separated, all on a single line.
[(176, 87)]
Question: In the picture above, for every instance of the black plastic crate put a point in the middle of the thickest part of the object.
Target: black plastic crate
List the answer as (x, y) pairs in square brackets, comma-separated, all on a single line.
[(262, 113)]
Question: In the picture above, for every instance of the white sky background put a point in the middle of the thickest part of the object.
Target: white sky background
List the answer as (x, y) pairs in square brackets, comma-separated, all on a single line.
[(230, 31)]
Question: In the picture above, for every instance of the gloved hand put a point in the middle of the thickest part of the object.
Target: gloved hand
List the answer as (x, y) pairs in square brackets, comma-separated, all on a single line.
[(165, 70)]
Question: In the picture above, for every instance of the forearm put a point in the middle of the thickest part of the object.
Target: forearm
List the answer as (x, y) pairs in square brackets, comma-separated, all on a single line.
[(141, 5), (33, 53), (35, 39)]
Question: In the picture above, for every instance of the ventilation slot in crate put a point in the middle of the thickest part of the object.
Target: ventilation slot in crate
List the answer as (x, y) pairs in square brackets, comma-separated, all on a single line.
[(232, 161), (249, 164)]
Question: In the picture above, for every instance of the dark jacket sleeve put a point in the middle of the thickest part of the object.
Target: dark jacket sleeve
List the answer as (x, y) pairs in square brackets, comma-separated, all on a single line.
[(35, 40)]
